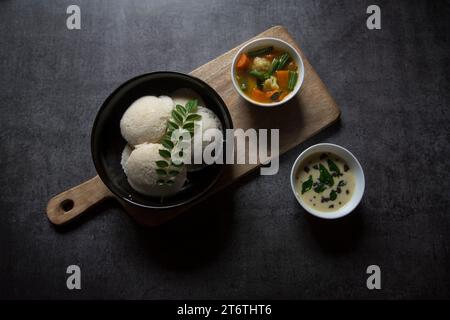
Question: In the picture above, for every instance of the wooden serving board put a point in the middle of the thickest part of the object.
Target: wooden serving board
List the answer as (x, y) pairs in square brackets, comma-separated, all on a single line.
[(310, 111)]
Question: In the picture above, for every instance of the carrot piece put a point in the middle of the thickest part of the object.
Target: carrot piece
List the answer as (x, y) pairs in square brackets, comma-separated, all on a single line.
[(283, 95), (259, 95), (263, 96), (270, 93), (283, 78), (243, 62)]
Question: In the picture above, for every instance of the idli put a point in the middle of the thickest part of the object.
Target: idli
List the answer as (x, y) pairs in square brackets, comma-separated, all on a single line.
[(140, 169), (146, 119), (125, 155), (183, 95), (209, 121)]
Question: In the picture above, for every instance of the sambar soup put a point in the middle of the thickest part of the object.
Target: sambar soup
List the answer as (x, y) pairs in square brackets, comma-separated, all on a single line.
[(266, 74)]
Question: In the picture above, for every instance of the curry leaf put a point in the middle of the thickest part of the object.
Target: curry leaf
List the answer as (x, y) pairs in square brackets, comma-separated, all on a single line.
[(181, 117), (307, 185), (164, 153), (325, 176), (167, 144), (172, 125), (181, 109), (177, 117), (161, 172), (333, 167), (191, 106), (333, 195), (174, 173), (162, 164), (193, 117), (320, 188), (188, 125)]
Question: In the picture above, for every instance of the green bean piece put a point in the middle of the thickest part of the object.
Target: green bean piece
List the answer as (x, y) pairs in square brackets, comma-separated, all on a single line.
[(282, 61), (292, 80), (261, 51), (258, 74), (273, 67), (278, 63)]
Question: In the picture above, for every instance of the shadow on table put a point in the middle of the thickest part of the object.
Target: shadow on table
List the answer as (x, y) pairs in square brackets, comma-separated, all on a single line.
[(326, 133), (340, 235), (197, 236), (192, 239)]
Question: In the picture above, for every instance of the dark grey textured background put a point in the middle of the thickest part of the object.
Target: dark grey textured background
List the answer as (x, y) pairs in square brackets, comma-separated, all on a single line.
[(253, 241)]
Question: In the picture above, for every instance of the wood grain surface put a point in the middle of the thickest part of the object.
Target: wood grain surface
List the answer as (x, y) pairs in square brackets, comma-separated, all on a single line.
[(70, 204)]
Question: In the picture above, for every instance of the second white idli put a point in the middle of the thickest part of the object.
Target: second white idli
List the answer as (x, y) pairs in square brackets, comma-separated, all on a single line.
[(125, 155), (140, 169), (209, 121), (183, 95), (146, 119)]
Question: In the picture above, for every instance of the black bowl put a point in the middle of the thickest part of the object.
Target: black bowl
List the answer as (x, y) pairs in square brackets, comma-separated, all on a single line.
[(107, 143)]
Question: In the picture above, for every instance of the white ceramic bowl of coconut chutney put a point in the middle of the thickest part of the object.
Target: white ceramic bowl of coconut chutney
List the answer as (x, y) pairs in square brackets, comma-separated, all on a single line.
[(353, 165)]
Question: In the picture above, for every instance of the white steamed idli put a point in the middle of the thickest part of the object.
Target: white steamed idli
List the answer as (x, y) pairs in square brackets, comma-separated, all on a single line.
[(140, 169), (183, 95), (167, 100), (145, 120), (209, 121), (125, 155)]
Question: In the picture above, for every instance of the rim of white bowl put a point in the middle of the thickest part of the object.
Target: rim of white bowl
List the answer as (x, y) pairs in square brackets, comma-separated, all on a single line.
[(351, 204), (291, 94)]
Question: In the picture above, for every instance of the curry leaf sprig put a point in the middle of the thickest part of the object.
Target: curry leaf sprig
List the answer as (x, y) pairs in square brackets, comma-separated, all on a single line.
[(181, 118)]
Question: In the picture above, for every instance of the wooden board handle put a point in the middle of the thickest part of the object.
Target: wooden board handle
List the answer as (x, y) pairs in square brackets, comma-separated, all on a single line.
[(69, 204)]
